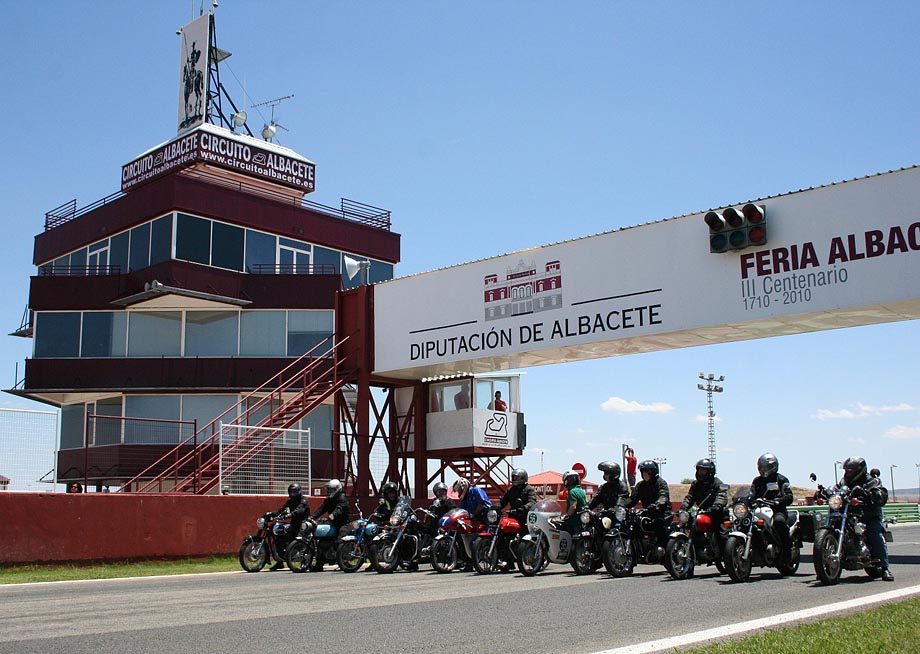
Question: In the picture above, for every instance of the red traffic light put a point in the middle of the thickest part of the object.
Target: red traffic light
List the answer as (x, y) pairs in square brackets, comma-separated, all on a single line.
[(733, 217), (753, 214), (715, 221)]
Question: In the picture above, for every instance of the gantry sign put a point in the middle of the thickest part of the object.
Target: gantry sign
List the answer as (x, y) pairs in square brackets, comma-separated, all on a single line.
[(842, 255)]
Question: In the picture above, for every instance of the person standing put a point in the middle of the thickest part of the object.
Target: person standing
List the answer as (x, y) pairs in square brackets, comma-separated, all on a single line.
[(631, 463), (498, 404)]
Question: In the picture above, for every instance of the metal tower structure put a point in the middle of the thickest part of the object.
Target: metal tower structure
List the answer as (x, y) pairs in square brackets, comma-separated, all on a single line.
[(710, 388)]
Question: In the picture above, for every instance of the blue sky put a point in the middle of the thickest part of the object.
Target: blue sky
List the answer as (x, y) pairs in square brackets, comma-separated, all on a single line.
[(492, 127)]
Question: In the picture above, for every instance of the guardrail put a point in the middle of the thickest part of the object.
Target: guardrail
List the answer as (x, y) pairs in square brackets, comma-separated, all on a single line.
[(902, 511)]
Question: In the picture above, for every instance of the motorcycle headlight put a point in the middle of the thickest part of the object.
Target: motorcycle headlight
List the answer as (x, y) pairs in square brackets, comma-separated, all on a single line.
[(684, 517), (740, 511), (492, 516), (607, 522), (260, 523), (620, 514), (859, 528), (835, 503), (585, 517)]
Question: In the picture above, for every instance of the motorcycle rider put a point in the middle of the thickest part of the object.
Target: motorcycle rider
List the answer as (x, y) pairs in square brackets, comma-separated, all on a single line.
[(706, 492), (655, 496), (335, 505), (441, 504), (575, 501), (389, 497), (520, 496), (614, 491), (297, 507), (778, 499), (871, 493), (472, 498)]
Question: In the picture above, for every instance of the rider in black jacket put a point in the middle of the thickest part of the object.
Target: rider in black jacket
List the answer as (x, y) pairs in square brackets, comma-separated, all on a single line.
[(389, 497), (614, 491), (520, 496), (441, 504), (297, 507), (778, 498), (655, 495), (706, 491), (335, 505), (872, 495)]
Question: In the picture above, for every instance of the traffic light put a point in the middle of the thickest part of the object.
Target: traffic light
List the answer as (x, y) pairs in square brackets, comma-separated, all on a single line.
[(736, 230)]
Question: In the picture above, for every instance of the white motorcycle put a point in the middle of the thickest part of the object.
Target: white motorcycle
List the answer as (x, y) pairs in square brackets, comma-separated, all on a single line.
[(547, 542)]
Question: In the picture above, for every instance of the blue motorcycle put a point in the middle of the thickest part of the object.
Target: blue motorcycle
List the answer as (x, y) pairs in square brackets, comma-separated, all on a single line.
[(352, 550), (313, 547)]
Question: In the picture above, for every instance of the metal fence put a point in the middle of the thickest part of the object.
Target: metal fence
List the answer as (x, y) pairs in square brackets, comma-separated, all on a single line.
[(263, 460), (28, 441)]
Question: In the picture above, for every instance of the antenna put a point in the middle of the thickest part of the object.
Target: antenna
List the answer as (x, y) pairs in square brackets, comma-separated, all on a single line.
[(269, 131)]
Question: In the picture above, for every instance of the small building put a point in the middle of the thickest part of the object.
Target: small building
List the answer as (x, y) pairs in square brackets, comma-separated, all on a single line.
[(548, 484), (4, 483)]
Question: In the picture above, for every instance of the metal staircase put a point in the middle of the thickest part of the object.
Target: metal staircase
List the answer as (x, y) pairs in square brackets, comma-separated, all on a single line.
[(194, 465)]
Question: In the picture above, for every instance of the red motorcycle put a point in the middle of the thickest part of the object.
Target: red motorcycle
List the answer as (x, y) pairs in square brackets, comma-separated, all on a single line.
[(497, 542), (453, 545)]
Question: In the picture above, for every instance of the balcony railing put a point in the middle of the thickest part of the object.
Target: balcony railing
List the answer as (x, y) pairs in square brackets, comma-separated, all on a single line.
[(292, 269), (52, 270)]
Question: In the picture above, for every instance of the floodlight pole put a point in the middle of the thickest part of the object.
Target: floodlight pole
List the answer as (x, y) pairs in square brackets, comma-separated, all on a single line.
[(894, 497), (711, 388)]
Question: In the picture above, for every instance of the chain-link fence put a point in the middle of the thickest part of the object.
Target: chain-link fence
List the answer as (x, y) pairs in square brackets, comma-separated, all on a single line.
[(28, 441), (264, 460)]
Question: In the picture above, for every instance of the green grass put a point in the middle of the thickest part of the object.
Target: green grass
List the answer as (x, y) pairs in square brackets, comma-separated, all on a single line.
[(888, 629), (23, 574)]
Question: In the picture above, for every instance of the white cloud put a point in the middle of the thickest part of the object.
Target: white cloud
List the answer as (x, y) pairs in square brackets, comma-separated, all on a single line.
[(619, 405), (859, 440), (862, 411), (569, 450), (903, 433)]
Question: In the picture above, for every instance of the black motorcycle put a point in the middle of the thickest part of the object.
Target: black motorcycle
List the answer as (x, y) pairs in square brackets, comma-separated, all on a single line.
[(841, 544), (696, 538), (752, 540), (588, 543), (402, 540), (269, 542), (315, 546), (632, 539)]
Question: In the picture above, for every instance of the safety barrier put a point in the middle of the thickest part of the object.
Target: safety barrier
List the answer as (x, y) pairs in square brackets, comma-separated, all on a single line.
[(902, 511)]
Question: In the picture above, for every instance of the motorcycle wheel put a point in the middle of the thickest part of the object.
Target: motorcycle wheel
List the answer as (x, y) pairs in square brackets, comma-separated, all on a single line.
[(617, 558), (300, 555), (386, 557), (350, 556), (738, 569), (582, 558), (824, 555), (790, 568), (253, 555), (484, 562), (442, 558), (527, 562), (679, 558)]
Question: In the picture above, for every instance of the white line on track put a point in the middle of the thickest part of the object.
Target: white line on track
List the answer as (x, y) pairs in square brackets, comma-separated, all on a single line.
[(117, 579), (718, 633)]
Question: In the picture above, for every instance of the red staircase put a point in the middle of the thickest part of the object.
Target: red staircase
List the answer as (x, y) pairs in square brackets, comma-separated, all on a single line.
[(194, 466)]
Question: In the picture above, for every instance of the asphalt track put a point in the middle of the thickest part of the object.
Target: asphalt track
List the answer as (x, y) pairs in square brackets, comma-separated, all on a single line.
[(418, 612)]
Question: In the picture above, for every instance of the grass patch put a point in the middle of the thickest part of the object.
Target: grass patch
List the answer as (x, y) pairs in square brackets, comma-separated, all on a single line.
[(23, 574), (888, 629)]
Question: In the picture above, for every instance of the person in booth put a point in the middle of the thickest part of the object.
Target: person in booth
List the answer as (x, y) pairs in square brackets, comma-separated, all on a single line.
[(498, 404)]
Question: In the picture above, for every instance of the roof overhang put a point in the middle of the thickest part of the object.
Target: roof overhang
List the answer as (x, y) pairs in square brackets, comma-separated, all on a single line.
[(160, 296)]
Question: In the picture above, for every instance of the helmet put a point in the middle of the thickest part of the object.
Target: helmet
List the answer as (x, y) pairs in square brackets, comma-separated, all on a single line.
[(440, 490), (705, 470), (333, 487), (387, 488), (518, 477), (854, 471), (611, 468), (570, 479), (649, 466), (767, 464), (294, 491), (461, 486)]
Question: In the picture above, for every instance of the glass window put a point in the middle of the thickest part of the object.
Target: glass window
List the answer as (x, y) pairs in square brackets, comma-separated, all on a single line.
[(227, 247), (155, 409), (57, 334), (262, 334), (98, 262), (61, 265), (139, 253), (78, 261), (211, 333), (485, 392), (306, 329), (319, 422), (260, 249), (193, 239), (118, 255), (327, 256), (101, 245), (161, 240), (204, 408), (107, 430), (154, 334), (73, 420), (380, 272), (104, 334)]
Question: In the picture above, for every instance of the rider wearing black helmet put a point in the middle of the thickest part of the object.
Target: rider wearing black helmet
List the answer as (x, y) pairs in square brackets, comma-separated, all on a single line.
[(774, 488), (872, 495), (297, 507), (335, 505), (614, 491), (706, 491), (389, 496), (520, 496), (441, 504), (655, 495)]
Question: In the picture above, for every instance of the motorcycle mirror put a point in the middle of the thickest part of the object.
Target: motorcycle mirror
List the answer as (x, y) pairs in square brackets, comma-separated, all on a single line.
[(813, 477)]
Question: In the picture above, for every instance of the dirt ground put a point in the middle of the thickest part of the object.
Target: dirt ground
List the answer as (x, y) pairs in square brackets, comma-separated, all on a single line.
[(679, 491)]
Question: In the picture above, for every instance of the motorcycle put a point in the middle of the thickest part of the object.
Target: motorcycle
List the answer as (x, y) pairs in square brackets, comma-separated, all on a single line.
[(588, 544), (352, 549), (497, 543), (257, 549), (314, 546), (546, 541), (752, 540), (842, 544), (632, 539), (401, 541), (696, 539), (454, 543)]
